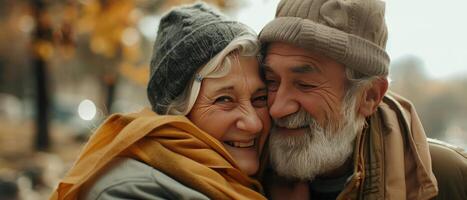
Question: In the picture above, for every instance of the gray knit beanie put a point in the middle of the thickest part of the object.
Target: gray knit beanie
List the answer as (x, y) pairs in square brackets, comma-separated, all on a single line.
[(352, 32), (187, 38)]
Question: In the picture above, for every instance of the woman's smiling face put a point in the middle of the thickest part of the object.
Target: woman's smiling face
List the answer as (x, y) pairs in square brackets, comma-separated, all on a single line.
[(233, 109)]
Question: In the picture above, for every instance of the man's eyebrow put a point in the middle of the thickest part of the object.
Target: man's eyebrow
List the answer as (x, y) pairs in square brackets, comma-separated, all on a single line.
[(264, 65), (305, 69), (298, 69)]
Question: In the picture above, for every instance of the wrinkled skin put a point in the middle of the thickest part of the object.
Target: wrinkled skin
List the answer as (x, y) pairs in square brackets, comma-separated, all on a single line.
[(233, 109)]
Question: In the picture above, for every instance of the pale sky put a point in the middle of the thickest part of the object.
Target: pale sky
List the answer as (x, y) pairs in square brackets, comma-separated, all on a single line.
[(434, 31)]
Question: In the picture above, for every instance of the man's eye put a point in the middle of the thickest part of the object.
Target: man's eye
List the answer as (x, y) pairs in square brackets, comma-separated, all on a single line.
[(260, 101), (224, 99), (305, 86)]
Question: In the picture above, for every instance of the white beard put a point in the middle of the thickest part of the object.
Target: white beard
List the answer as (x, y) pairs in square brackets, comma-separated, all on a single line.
[(318, 150)]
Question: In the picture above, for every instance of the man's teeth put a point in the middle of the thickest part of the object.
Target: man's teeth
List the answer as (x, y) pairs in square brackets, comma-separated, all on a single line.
[(241, 144)]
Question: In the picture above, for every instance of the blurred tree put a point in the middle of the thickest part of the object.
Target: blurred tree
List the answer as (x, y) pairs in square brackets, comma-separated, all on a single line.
[(107, 29), (408, 78), (8, 190), (116, 42), (16, 26), (437, 102), (440, 109), (42, 51)]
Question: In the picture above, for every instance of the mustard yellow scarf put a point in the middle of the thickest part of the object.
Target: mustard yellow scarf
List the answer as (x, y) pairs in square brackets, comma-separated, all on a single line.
[(171, 144)]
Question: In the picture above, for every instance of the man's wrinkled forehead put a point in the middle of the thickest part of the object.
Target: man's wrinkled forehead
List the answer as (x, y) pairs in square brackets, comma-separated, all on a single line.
[(305, 60), (297, 69)]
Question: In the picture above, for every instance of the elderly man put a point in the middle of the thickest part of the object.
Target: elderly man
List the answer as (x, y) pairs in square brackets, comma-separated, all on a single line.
[(338, 134)]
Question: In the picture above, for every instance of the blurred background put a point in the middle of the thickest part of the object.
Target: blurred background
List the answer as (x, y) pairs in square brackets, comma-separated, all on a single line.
[(67, 64)]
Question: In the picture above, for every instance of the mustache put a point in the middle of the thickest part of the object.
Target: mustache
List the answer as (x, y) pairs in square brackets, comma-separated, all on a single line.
[(300, 119)]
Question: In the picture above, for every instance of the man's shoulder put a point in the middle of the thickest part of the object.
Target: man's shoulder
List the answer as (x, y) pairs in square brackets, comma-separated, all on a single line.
[(449, 165), (447, 157), (126, 177), (441, 146)]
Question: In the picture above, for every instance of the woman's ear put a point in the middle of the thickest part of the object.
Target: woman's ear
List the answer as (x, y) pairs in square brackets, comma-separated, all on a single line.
[(372, 96)]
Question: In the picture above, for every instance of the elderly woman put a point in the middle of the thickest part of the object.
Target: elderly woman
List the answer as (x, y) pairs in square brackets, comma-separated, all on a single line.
[(208, 123)]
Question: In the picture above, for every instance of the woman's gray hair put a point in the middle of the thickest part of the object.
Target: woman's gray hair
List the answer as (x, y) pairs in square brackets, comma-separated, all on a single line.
[(246, 45)]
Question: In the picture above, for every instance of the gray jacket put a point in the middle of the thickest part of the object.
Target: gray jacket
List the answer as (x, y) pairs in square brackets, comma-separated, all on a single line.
[(126, 178)]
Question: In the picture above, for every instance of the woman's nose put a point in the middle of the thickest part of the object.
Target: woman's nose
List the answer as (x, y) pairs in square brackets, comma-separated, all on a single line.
[(250, 121)]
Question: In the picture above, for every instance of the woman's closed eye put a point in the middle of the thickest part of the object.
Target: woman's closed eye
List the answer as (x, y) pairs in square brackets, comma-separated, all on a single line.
[(260, 101), (223, 100)]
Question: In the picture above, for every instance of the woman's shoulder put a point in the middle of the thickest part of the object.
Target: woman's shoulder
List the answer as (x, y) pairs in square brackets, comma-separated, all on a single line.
[(126, 178)]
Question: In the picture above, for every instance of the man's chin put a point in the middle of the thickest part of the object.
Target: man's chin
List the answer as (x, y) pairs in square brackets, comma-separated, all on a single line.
[(305, 156)]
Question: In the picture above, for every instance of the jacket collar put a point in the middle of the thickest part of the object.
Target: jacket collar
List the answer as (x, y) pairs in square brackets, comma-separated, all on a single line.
[(391, 157)]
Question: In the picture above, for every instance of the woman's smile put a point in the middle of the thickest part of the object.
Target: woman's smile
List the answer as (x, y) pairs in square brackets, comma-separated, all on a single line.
[(241, 144)]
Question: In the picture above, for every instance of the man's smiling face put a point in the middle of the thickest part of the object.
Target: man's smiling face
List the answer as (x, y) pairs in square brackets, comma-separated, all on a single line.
[(315, 123), (297, 78)]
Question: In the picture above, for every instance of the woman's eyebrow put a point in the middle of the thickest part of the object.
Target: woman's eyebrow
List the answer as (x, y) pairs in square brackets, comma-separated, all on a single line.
[(262, 89), (225, 89)]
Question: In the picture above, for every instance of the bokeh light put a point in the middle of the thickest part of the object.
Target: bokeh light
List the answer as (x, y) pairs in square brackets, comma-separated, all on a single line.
[(87, 109)]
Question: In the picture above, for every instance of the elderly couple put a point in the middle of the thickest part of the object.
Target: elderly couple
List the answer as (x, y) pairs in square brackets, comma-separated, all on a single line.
[(310, 118)]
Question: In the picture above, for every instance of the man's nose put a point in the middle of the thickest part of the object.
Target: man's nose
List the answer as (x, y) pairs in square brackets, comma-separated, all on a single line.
[(283, 104), (250, 121)]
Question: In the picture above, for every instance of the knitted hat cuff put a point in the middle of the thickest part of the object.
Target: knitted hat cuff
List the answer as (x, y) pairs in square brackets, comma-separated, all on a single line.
[(350, 50)]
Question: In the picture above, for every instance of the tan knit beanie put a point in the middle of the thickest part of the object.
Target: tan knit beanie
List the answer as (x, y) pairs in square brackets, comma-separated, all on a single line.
[(352, 32)]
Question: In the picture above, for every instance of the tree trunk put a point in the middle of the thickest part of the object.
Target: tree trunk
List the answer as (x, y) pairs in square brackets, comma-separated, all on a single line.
[(41, 50), (110, 82), (42, 106)]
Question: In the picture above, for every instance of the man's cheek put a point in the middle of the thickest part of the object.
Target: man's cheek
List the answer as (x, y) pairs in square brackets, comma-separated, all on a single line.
[(271, 97), (329, 100)]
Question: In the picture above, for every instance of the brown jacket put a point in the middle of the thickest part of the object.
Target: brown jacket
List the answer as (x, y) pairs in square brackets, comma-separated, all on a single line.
[(391, 159), (450, 169)]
